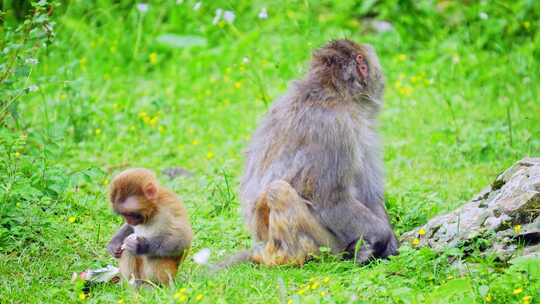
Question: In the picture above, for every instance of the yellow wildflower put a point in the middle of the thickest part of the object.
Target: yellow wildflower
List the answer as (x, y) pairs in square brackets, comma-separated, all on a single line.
[(315, 285), (402, 57), (83, 61), (416, 242), (153, 121), (237, 85), (98, 131), (17, 154), (414, 79), (517, 291), (291, 14), (353, 23), (517, 228), (180, 297), (209, 155), (195, 142), (488, 298), (72, 219), (82, 296), (289, 301), (326, 280), (199, 297), (301, 291), (406, 90), (153, 58), (323, 293), (527, 299), (422, 231), (121, 301)]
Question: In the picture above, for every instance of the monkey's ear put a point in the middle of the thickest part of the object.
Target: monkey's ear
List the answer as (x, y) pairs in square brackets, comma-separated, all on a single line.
[(150, 190)]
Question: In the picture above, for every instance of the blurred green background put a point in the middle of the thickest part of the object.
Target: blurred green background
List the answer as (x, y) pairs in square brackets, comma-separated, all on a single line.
[(88, 88)]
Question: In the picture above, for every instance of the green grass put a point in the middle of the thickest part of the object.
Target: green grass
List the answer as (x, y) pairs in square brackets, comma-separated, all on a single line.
[(461, 105)]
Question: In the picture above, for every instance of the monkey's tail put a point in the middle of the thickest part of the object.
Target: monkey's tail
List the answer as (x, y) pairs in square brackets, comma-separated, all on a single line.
[(235, 259)]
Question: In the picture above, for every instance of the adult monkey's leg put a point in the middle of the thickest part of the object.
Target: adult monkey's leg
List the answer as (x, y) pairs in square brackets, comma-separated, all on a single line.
[(287, 228)]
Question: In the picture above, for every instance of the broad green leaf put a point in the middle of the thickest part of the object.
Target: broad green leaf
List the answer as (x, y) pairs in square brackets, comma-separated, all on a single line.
[(527, 264), (179, 41)]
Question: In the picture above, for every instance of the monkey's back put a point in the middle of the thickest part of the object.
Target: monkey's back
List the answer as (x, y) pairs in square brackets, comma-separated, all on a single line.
[(321, 147)]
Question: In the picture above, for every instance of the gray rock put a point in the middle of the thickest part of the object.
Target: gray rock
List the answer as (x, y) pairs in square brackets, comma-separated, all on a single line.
[(507, 213)]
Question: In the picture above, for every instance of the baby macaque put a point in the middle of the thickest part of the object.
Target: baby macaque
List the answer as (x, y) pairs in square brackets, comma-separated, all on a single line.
[(156, 235), (313, 175)]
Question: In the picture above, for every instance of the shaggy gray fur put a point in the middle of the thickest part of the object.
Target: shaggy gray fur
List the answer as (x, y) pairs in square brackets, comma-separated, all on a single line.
[(321, 138)]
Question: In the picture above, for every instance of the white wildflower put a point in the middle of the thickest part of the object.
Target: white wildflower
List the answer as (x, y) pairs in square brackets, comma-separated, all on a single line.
[(197, 6), (178, 2), (32, 61), (219, 12), (229, 16), (483, 16), (143, 7), (33, 88), (263, 14), (202, 256), (245, 60)]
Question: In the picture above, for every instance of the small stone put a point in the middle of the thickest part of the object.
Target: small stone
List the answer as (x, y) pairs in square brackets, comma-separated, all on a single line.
[(175, 172)]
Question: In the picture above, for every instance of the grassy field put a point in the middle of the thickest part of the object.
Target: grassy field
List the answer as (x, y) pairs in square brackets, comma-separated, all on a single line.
[(111, 90)]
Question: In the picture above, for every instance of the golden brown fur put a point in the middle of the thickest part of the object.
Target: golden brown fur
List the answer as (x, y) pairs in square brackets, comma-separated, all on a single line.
[(288, 230), (157, 234)]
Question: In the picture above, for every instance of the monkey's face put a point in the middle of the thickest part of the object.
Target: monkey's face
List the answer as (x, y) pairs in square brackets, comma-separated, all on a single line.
[(136, 210), (345, 65)]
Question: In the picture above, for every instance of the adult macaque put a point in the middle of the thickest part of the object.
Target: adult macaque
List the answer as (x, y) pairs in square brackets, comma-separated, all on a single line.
[(156, 235), (313, 175)]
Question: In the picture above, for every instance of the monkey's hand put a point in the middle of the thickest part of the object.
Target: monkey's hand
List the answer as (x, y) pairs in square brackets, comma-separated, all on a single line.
[(115, 249), (134, 244)]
